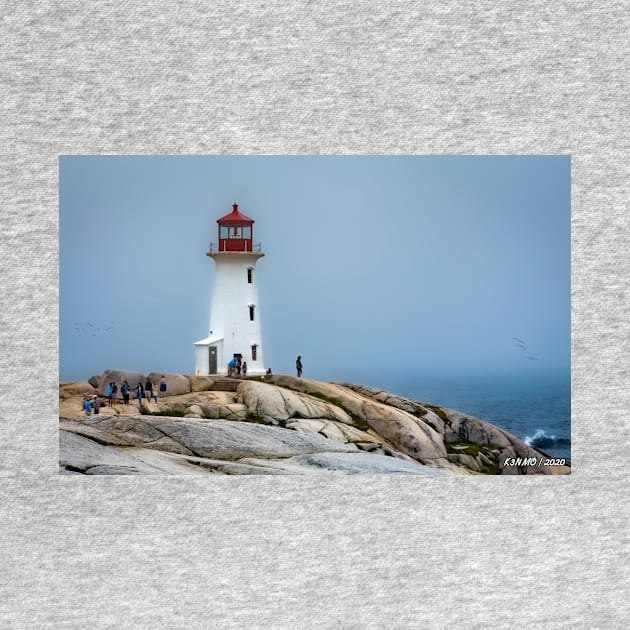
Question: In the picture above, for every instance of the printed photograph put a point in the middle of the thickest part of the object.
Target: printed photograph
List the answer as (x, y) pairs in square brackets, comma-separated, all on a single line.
[(315, 315)]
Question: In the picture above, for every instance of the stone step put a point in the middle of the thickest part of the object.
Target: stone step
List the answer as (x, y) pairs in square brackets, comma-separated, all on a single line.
[(224, 385)]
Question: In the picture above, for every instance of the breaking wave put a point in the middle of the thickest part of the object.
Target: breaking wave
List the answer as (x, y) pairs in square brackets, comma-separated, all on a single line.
[(540, 439)]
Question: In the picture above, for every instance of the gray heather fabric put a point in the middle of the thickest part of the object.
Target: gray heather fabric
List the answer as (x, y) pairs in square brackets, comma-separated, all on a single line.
[(329, 77)]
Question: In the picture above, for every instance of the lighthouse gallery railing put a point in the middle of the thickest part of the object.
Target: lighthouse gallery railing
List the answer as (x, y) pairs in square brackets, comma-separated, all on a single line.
[(256, 247)]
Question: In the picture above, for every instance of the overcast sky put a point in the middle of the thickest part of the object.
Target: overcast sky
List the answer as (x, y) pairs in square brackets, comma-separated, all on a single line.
[(374, 265)]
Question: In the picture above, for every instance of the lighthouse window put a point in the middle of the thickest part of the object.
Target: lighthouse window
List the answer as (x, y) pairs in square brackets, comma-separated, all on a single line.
[(250, 275), (247, 232), (236, 232), (254, 352), (224, 232), (251, 313)]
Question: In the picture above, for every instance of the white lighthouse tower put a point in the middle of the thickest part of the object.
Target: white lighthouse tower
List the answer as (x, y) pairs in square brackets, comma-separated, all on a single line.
[(234, 311)]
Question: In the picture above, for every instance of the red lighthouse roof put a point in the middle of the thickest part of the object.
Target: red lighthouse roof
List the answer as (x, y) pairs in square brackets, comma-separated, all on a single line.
[(235, 217)]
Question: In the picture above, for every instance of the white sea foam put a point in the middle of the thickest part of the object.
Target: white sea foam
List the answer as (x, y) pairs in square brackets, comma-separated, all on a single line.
[(542, 439)]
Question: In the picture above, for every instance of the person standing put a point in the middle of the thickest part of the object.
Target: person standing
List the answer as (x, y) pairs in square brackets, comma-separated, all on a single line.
[(162, 387), (114, 391), (148, 390), (244, 368), (298, 365), (110, 393), (96, 404), (87, 406), (124, 390), (140, 393)]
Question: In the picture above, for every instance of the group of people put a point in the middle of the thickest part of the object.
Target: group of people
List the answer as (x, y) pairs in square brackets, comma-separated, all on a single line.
[(237, 366), (149, 391), (92, 405)]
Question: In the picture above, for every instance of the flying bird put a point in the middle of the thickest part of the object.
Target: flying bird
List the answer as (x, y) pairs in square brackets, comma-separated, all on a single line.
[(92, 329), (519, 343)]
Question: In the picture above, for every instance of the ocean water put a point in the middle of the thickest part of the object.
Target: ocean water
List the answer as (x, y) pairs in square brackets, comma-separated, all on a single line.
[(534, 409)]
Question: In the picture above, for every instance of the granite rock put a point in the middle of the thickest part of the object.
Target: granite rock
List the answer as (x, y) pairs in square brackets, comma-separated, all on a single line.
[(200, 383), (283, 425), (176, 384), (119, 377)]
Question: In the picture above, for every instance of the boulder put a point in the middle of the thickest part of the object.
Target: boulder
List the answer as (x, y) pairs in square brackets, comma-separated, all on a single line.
[(466, 460), (80, 454), (464, 428), (95, 381), (352, 434), (80, 389), (119, 377), (343, 398), (210, 411), (484, 460), (233, 411), (393, 400), (472, 430), (200, 383), (272, 404), (434, 421), (148, 407), (306, 426), (407, 433), (217, 439), (176, 384), (138, 431), (92, 432), (332, 432)]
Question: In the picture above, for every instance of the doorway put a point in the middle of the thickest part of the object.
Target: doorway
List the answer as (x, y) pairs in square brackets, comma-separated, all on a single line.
[(212, 359)]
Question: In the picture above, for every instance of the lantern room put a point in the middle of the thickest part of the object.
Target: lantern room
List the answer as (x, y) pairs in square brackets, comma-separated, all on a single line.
[(235, 232)]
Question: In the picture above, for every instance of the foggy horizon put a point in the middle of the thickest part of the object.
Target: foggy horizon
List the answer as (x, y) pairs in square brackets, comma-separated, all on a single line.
[(376, 269)]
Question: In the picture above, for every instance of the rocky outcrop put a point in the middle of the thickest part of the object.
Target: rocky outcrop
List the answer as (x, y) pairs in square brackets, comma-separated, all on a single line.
[(275, 405), (200, 383), (114, 444), (176, 384), (283, 425), (119, 377), (413, 437), (80, 389), (477, 445)]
